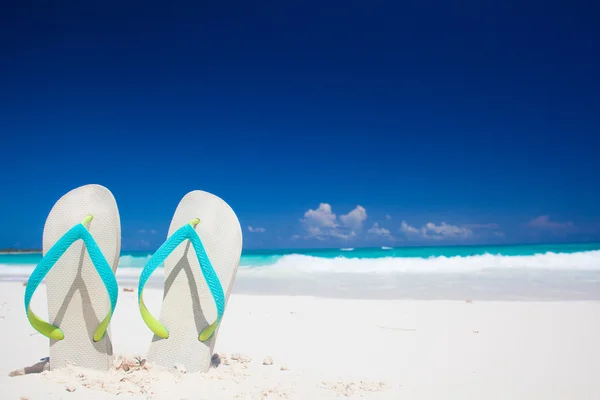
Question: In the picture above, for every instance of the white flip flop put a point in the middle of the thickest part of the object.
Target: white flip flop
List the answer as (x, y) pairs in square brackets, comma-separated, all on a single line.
[(201, 258), (81, 245)]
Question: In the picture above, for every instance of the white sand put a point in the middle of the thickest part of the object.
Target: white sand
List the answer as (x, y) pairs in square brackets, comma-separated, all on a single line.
[(335, 348)]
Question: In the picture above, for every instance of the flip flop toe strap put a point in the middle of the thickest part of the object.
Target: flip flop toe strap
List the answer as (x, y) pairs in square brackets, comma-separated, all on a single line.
[(78, 232), (186, 232)]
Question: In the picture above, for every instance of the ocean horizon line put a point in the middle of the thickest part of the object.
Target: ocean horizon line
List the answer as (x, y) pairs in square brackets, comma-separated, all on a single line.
[(16, 251)]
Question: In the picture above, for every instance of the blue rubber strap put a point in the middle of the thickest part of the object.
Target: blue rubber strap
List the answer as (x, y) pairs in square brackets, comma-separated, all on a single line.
[(49, 260), (186, 232)]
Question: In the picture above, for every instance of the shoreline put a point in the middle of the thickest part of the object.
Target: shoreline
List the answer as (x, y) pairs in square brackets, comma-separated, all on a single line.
[(498, 285), (347, 251)]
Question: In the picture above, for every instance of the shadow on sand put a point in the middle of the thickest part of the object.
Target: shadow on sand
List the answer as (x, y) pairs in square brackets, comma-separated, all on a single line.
[(38, 367)]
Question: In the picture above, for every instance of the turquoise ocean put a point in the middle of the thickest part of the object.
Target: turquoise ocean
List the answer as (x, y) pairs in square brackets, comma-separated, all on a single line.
[(502, 272)]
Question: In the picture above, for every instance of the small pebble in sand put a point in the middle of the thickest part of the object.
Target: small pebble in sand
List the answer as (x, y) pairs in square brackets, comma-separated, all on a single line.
[(268, 361), (127, 289), (285, 368), (17, 372), (240, 358), (129, 364), (70, 388)]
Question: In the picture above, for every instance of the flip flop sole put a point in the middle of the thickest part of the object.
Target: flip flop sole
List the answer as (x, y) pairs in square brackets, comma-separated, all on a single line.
[(188, 306), (77, 297)]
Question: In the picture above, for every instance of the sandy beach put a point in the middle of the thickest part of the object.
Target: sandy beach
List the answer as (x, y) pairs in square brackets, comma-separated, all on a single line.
[(284, 347)]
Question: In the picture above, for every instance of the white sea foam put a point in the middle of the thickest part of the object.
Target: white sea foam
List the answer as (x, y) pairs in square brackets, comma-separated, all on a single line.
[(130, 266), (10, 272), (550, 276), (586, 261)]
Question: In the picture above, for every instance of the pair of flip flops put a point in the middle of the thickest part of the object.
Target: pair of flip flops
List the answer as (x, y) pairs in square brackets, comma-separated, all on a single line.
[(81, 247)]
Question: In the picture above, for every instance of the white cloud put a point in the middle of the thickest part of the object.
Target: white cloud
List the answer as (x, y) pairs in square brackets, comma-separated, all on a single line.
[(153, 231), (322, 222), (322, 216), (406, 228), (377, 230), (341, 235), (142, 231), (446, 230), (256, 230), (315, 231), (355, 218), (388, 216), (433, 231), (544, 222)]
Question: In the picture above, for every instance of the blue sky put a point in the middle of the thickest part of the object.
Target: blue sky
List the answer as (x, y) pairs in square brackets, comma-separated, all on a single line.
[(320, 123)]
